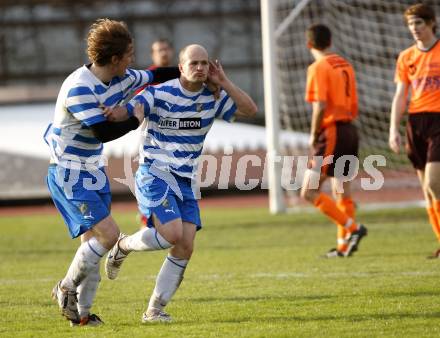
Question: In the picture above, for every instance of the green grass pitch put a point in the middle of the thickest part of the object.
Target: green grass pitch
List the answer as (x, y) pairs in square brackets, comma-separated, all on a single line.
[(252, 275)]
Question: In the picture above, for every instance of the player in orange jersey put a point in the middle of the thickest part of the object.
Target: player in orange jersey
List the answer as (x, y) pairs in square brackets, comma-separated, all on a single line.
[(418, 70), (331, 88)]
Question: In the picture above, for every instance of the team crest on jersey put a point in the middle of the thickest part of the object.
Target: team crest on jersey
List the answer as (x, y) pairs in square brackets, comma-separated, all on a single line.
[(199, 107), (165, 203), (83, 208), (184, 123), (412, 69)]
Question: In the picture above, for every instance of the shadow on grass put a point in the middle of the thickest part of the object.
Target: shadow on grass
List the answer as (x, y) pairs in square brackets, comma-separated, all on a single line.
[(433, 293), (296, 299), (245, 247), (365, 317), (258, 298), (37, 251), (283, 317), (281, 223)]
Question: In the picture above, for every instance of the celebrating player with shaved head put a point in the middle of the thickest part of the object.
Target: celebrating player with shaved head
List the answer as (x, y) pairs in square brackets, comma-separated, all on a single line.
[(180, 113)]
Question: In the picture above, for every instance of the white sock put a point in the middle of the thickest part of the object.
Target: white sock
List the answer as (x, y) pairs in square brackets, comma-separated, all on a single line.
[(87, 291), (86, 258), (147, 239), (167, 282)]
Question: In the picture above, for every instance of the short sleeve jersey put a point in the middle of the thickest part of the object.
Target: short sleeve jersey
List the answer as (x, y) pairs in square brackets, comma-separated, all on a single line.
[(332, 80), (78, 107), (421, 71), (178, 121)]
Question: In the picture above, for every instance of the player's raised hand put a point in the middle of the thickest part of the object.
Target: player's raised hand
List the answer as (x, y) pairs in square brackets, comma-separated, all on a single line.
[(115, 114), (139, 112), (216, 73), (395, 141)]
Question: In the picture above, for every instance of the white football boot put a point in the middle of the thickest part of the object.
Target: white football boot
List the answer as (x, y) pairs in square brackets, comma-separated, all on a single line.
[(156, 316), (114, 259)]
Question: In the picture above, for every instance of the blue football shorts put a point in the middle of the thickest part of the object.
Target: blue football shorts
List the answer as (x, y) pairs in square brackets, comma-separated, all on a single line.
[(82, 199), (168, 197)]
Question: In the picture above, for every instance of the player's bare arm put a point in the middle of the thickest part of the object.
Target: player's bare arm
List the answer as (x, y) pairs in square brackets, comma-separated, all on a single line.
[(397, 110), (139, 112), (317, 115), (245, 105)]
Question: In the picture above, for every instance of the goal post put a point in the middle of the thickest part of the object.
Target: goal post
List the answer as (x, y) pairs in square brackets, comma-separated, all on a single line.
[(270, 32), (276, 204)]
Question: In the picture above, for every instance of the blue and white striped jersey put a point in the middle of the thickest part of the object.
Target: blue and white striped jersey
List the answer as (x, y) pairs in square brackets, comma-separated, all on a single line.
[(178, 121), (77, 108)]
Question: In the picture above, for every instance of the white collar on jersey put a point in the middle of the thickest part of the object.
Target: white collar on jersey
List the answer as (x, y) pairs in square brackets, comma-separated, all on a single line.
[(189, 93)]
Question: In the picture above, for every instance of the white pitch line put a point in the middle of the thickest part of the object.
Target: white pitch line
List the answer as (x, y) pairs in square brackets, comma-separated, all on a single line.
[(292, 275), (258, 275), (365, 206), (392, 205)]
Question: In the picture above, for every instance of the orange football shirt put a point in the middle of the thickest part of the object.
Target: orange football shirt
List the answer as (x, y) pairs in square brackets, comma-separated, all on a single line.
[(421, 71), (331, 79)]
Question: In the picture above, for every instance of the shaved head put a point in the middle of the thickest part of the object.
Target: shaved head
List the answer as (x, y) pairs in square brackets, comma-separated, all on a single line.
[(193, 65), (192, 50)]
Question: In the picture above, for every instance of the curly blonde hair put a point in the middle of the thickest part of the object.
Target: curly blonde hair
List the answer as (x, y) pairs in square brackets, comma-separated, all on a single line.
[(107, 38)]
